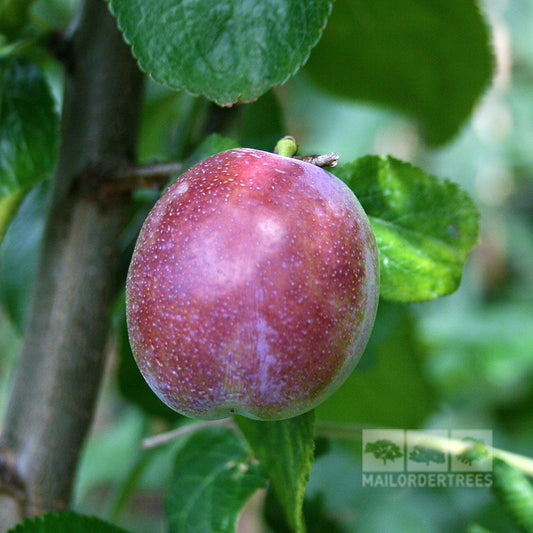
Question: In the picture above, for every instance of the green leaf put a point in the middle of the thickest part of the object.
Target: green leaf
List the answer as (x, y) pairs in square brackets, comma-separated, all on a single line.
[(213, 477), (213, 144), (424, 226), (227, 51), (65, 522), (28, 130), (388, 388), (429, 59), (515, 492), (317, 518), (8, 207), (13, 15), (19, 253), (28, 126), (284, 449)]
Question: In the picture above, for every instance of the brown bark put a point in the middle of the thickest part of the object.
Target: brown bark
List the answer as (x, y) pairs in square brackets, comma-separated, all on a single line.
[(59, 371)]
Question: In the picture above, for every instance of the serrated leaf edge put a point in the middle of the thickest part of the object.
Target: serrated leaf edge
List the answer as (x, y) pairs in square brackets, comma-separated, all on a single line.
[(223, 102)]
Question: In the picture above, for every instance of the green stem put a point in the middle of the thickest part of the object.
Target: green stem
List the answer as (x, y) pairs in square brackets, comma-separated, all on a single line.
[(446, 445), (286, 147)]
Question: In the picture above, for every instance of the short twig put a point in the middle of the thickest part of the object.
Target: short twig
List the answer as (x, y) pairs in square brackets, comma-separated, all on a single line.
[(323, 160), (189, 429), (107, 180), (155, 175)]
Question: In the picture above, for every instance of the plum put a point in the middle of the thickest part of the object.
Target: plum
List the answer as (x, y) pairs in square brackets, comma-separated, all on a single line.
[(253, 287)]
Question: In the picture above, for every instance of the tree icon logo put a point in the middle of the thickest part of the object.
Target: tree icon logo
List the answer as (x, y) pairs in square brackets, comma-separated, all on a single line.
[(426, 455), (476, 453), (476, 457), (425, 452), (384, 449)]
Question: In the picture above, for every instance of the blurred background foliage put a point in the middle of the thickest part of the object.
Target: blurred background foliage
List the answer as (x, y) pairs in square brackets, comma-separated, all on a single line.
[(463, 361)]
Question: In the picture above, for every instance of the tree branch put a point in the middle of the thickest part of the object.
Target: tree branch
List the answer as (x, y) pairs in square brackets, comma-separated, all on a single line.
[(155, 175), (59, 371)]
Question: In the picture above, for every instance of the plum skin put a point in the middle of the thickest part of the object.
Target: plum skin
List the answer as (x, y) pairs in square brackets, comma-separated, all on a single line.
[(253, 287)]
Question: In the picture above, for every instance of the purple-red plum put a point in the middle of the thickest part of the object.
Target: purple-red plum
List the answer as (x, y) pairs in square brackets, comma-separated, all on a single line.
[(253, 287)]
